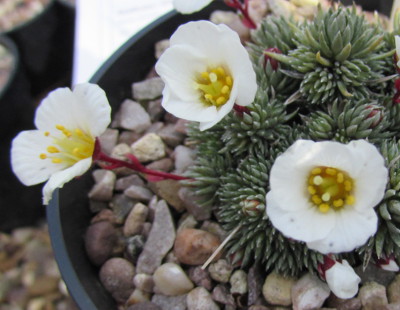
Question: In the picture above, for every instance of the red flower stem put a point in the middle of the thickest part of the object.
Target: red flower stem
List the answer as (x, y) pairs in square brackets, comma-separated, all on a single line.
[(113, 163), (244, 10)]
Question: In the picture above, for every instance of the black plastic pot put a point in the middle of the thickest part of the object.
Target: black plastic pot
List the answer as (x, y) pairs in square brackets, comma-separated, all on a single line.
[(68, 214), (19, 205), (45, 43)]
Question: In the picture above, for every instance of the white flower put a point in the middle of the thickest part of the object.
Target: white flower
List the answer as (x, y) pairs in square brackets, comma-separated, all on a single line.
[(62, 146), (324, 193), (342, 280), (189, 6), (388, 264), (206, 70)]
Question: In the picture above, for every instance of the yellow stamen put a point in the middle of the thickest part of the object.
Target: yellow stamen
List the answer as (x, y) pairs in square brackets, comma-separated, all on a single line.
[(52, 149), (213, 77), (79, 132), (228, 81), (340, 177), (311, 190), (56, 160), (316, 171), (350, 200), (60, 127), (46, 133), (338, 203), (221, 100), (324, 207), (318, 180), (225, 90), (348, 186), (326, 196), (331, 171), (43, 156), (316, 200)]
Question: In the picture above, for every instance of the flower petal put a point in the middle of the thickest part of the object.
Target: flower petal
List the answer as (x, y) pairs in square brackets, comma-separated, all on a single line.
[(371, 176), (189, 6), (86, 108), (306, 224), (352, 230), (342, 280), (58, 179), (25, 161), (397, 41)]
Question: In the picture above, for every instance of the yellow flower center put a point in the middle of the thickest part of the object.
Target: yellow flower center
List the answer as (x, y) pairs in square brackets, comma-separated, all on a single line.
[(330, 188), (69, 148), (214, 86)]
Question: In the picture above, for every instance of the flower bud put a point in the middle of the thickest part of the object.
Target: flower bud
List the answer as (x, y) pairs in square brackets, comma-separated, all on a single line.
[(274, 63)]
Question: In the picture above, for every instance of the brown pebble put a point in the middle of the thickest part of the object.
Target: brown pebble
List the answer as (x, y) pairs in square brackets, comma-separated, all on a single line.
[(195, 246)]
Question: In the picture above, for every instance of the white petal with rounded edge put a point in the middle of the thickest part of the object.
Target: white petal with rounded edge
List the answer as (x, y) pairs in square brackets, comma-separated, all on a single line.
[(193, 111), (342, 280), (306, 224), (58, 179), (372, 176), (25, 161), (178, 67), (352, 230), (86, 108), (189, 6)]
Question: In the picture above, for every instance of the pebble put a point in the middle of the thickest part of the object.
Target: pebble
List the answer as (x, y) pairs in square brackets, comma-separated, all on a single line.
[(100, 240), (191, 201), (104, 215), (184, 158), (155, 127), (277, 289), (160, 47), (155, 110), (108, 140), (221, 294), (372, 295), (220, 271), (137, 296), (238, 281), (97, 206), (215, 229), (195, 246), (200, 299), (171, 137), (181, 126), (121, 205), (375, 274), (200, 277), (148, 89), (171, 280), (309, 292), (260, 307), (135, 220), (168, 190), (120, 151), (140, 193), (124, 182), (393, 290), (164, 164), (144, 282), (128, 137), (150, 147), (170, 302), (159, 242), (232, 20), (116, 275), (133, 116), (134, 246), (144, 306), (187, 220), (255, 284), (257, 9), (104, 186)]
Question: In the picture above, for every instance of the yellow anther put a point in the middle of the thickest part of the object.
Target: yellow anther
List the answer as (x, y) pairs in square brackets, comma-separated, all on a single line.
[(316, 171), (311, 190), (331, 171), (326, 197), (324, 207), (318, 180), (350, 200), (316, 199), (67, 133), (338, 203), (56, 160), (225, 89), (221, 71), (43, 156), (340, 177), (208, 97), (60, 127), (79, 132), (213, 77), (228, 81), (46, 133), (348, 186), (221, 100), (52, 149), (76, 151), (204, 75)]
